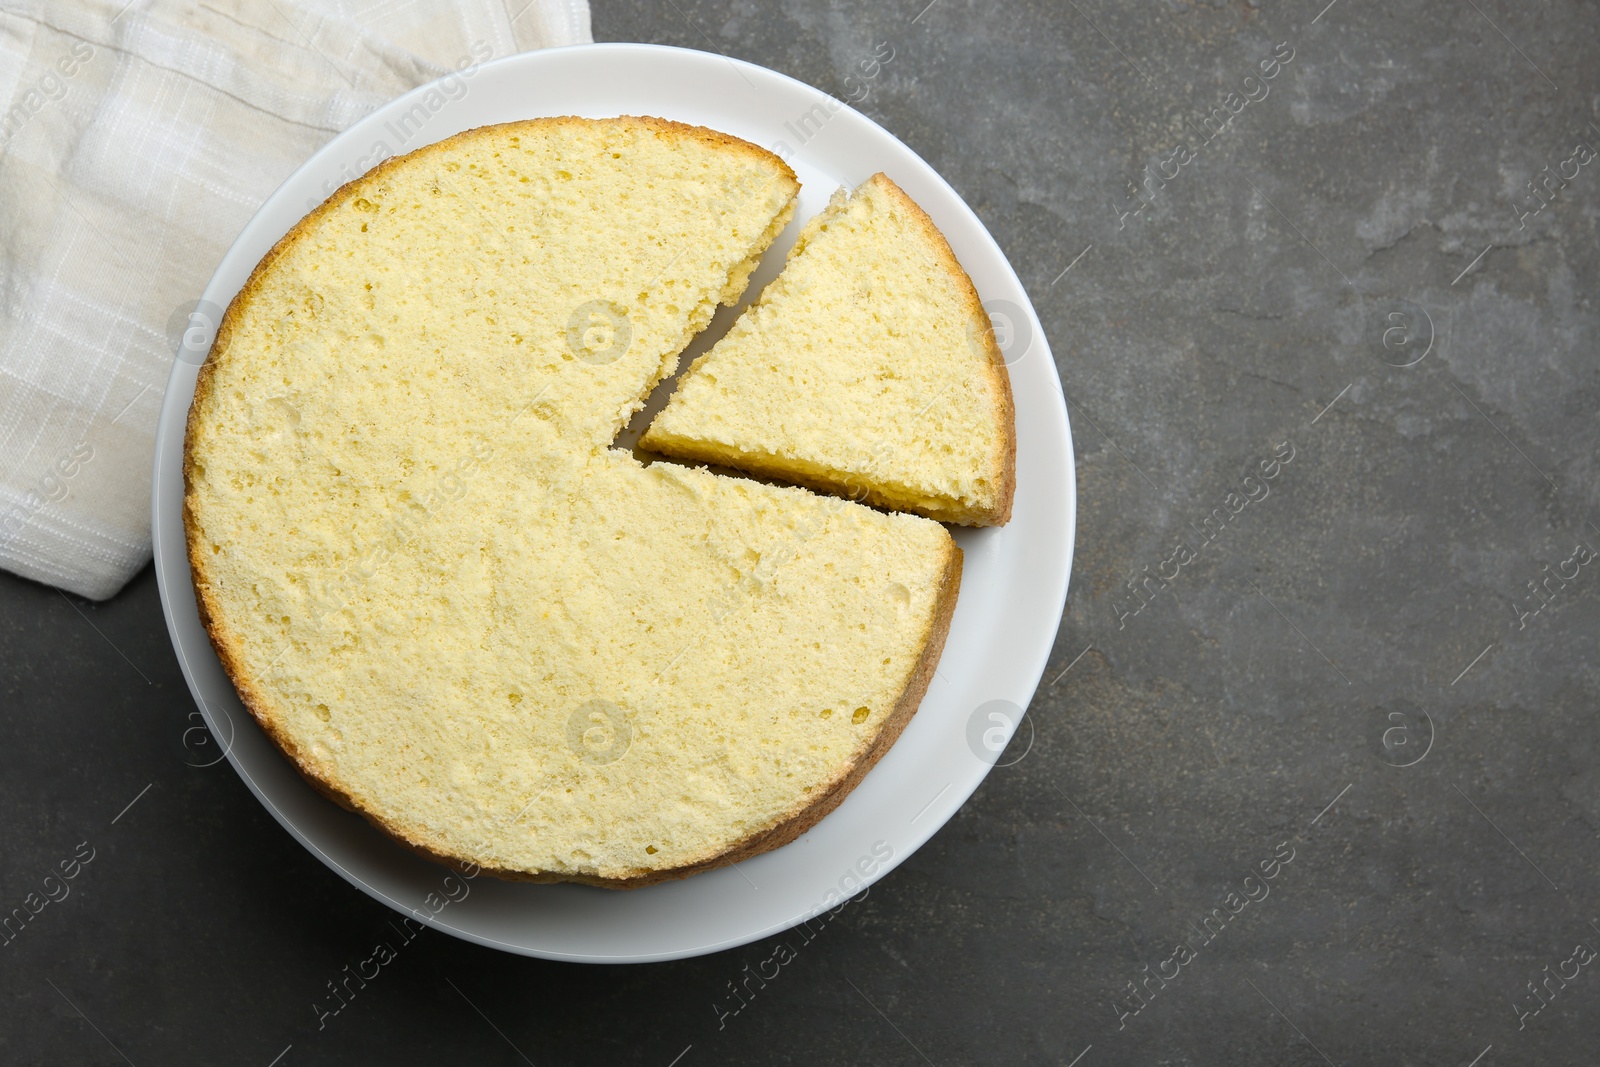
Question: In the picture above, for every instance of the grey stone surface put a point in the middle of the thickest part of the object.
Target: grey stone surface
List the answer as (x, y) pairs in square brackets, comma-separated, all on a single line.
[(1371, 591)]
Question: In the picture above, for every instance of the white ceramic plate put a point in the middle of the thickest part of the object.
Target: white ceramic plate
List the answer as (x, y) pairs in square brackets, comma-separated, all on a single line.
[(1012, 592)]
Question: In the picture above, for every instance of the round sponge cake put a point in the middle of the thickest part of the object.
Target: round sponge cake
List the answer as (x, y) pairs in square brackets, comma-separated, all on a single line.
[(445, 595)]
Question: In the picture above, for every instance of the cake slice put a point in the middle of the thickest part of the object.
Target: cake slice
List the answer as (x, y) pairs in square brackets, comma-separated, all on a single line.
[(868, 369)]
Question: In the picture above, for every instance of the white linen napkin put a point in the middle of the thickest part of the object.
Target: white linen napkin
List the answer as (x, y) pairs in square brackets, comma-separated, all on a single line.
[(136, 139)]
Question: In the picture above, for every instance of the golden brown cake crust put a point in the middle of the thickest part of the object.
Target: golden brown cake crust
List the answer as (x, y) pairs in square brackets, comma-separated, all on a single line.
[(260, 705)]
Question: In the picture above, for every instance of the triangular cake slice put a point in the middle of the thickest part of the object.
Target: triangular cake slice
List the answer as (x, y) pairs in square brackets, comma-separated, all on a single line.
[(868, 369)]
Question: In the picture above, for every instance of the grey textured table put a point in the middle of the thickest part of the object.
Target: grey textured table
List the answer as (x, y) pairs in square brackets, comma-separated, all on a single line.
[(1313, 772)]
